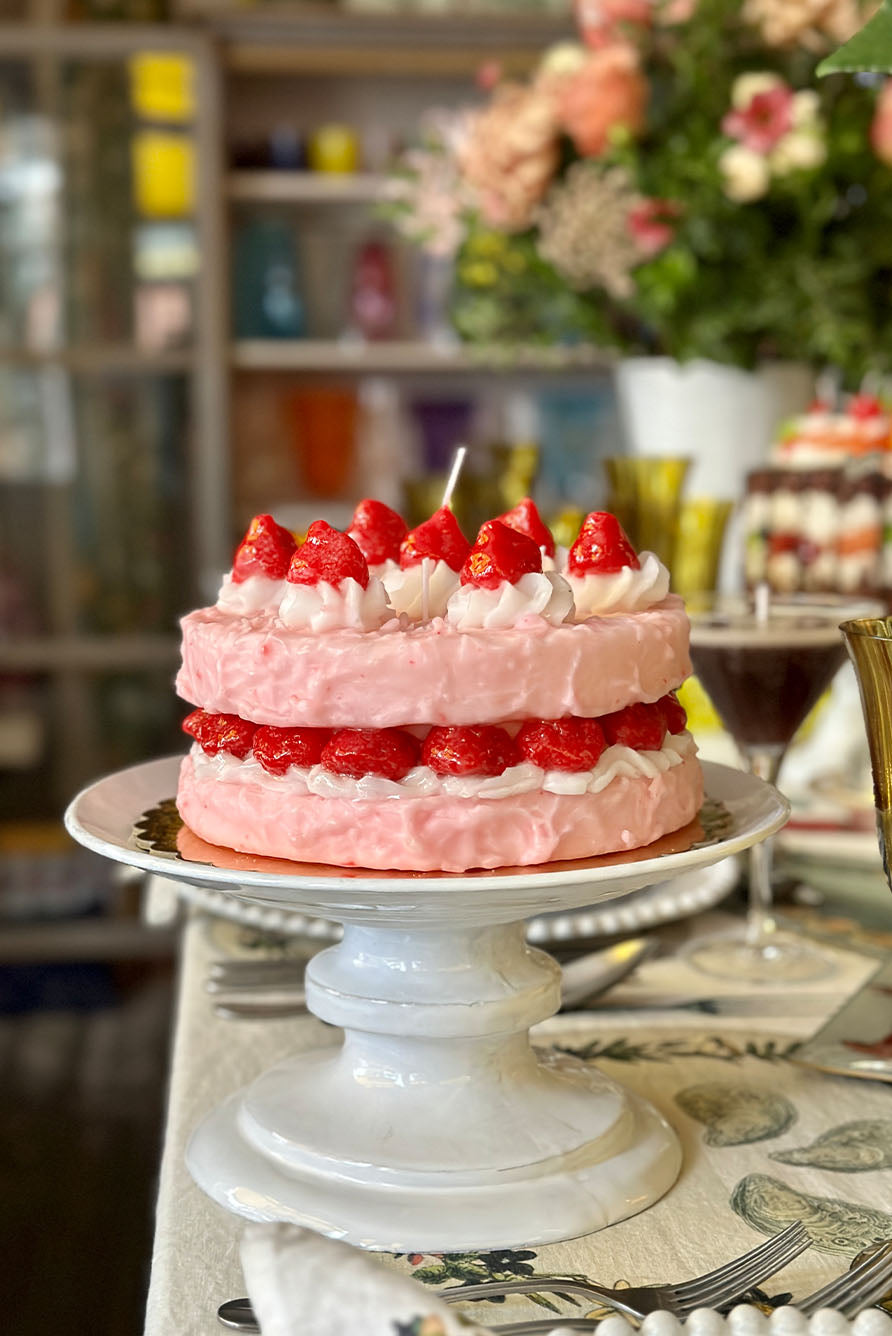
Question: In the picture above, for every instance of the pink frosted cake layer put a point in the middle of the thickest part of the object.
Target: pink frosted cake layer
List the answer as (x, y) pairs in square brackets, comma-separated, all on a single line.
[(259, 669), (443, 832)]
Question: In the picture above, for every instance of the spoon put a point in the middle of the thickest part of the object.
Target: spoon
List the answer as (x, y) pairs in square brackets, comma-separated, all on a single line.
[(582, 979)]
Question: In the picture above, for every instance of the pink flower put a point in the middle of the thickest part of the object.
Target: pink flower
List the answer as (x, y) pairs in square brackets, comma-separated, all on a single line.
[(511, 154), (608, 93), (881, 129), (764, 120), (600, 20), (652, 224)]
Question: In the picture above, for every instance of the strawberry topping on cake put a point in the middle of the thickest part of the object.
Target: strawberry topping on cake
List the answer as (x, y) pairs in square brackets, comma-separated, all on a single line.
[(439, 538), (217, 733), (266, 549), (674, 714), (562, 744), (277, 749), (328, 556), (377, 531), (479, 749), (388, 752), (525, 518), (500, 554), (639, 726), (602, 546)]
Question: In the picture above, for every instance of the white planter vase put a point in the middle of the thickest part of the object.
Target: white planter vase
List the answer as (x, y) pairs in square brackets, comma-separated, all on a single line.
[(723, 418)]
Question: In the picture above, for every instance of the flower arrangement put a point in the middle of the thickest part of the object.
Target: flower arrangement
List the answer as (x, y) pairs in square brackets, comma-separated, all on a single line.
[(675, 182)]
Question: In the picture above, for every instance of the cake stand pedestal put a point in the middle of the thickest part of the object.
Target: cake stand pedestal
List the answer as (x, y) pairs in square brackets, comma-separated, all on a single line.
[(435, 1126)]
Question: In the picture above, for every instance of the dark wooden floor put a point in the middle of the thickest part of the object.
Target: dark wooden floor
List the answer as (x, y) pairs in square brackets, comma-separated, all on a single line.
[(81, 1114)]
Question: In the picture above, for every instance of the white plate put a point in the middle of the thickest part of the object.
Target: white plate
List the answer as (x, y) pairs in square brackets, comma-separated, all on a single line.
[(102, 818), (666, 902)]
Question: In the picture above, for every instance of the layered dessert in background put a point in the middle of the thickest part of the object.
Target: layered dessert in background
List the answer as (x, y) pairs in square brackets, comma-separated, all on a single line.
[(819, 519), (407, 700)]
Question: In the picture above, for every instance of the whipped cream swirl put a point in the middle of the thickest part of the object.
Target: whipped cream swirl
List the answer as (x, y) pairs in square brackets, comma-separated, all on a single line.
[(247, 598), (422, 782), (327, 607), (536, 594), (626, 590), (404, 588)]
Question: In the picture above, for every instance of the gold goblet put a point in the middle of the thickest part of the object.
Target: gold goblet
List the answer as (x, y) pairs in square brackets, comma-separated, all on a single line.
[(869, 642)]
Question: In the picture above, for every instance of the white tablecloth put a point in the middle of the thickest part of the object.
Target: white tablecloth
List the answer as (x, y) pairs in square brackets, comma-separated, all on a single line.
[(195, 1264)]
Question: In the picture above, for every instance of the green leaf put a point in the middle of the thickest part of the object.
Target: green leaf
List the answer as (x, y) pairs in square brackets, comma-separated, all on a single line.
[(870, 49)]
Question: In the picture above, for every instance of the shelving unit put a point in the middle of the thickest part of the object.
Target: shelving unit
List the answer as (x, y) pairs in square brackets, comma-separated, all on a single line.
[(407, 356), (292, 187)]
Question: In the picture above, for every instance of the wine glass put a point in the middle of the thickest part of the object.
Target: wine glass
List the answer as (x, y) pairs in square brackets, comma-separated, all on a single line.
[(869, 643), (764, 669)]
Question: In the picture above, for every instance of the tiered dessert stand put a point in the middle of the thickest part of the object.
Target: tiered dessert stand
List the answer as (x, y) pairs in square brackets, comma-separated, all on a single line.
[(435, 1126)]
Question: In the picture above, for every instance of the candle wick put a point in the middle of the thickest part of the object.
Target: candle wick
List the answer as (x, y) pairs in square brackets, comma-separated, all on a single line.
[(763, 603)]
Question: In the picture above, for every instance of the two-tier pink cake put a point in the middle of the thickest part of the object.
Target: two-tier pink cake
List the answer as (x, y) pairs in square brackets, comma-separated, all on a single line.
[(387, 699)]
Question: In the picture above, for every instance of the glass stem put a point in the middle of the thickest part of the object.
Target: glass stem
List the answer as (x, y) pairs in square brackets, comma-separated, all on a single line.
[(764, 762)]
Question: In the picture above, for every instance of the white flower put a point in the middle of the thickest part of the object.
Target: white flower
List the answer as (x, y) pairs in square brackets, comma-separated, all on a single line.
[(800, 150), (806, 106), (748, 86), (562, 58), (746, 173)]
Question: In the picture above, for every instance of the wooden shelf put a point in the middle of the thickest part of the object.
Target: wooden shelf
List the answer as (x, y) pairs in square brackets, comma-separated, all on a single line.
[(335, 41), (88, 653), (285, 187), (407, 356), (100, 359)]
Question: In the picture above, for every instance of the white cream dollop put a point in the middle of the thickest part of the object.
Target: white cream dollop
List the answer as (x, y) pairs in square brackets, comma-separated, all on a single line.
[(404, 589), (626, 590), (558, 562), (247, 598), (537, 594), (422, 782), (327, 607)]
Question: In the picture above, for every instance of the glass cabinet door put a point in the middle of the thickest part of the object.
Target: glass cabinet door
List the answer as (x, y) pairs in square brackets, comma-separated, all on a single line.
[(112, 459)]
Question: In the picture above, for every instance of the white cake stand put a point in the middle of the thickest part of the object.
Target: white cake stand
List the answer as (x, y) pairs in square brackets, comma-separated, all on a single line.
[(435, 1126)]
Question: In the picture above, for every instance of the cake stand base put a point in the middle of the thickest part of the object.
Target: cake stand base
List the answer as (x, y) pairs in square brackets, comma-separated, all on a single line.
[(435, 1126), (633, 1163)]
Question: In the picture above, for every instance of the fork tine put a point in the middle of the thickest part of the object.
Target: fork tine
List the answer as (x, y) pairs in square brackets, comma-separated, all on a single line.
[(763, 1255), (752, 1268), (721, 1292), (547, 1324), (874, 1273)]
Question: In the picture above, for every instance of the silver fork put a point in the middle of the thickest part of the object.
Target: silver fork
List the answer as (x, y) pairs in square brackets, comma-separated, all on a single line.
[(858, 1288), (714, 1289), (848, 1294)]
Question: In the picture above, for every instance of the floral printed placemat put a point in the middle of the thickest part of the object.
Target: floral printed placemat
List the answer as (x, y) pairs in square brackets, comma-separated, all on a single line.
[(765, 1141)]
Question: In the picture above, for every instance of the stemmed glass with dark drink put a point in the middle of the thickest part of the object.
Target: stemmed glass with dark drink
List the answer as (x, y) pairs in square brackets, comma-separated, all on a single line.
[(764, 663)]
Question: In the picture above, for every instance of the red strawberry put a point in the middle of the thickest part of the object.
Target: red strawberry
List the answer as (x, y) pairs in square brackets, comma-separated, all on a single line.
[(864, 406), (266, 549), (439, 538), (327, 555), (390, 752), (278, 748), (638, 726), (500, 553), (602, 546), (481, 749), (216, 733), (525, 518), (377, 531), (674, 716), (561, 744)]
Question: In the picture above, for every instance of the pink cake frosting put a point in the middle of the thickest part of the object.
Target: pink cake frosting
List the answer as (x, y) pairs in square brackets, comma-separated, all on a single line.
[(517, 728), (431, 673), (440, 832)]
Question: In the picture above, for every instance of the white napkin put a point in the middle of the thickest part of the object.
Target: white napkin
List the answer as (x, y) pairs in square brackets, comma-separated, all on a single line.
[(301, 1284)]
